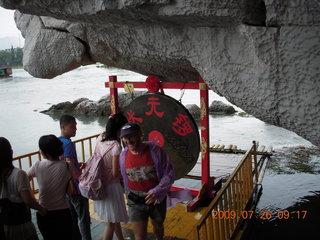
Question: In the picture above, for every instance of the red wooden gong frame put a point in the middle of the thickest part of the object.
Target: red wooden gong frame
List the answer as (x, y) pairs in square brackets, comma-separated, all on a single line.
[(207, 184)]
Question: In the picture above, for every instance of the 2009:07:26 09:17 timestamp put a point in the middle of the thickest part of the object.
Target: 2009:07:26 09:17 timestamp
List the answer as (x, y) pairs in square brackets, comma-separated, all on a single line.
[(263, 214)]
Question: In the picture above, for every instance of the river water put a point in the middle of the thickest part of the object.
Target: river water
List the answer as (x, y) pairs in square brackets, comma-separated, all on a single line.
[(291, 182)]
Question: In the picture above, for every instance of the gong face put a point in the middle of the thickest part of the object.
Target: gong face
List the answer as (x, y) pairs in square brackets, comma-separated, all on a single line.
[(168, 123)]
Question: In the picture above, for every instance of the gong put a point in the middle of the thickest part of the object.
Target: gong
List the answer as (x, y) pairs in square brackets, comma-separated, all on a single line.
[(167, 122)]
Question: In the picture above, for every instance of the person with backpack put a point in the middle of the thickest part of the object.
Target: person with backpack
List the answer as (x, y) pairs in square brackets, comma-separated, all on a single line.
[(111, 208)]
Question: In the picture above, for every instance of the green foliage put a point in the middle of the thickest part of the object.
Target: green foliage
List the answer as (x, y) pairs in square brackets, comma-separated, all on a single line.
[(11, 57), (243, 114)]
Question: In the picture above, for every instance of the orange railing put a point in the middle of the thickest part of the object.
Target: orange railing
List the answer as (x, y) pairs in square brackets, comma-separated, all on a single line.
[(228, 208), (84, 152)]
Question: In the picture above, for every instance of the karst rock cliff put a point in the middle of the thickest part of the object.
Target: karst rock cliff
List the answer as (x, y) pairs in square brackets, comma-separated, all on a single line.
[(262, 55)]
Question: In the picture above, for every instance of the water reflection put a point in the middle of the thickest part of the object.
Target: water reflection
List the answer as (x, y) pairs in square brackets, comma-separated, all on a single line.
[(296, 160), (101, 121), (85, 120), (302, 222), (291, 186)]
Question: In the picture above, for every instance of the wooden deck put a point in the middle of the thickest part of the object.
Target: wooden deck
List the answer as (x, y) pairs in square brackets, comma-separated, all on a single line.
[(221, 166), (179, 224)]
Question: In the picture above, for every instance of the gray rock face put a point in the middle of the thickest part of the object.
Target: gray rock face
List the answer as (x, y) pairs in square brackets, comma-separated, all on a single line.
[(218, 107), (261, 55)]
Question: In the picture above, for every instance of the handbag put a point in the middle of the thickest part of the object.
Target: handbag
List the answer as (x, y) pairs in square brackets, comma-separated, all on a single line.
[(71, 189)]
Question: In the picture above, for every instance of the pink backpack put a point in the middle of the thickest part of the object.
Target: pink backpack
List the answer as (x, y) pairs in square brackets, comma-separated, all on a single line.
[(92, 181)]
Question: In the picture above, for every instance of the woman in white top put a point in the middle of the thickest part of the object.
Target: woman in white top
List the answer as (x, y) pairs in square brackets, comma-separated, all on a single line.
[(15, 196), (52, 175), (112, 208)]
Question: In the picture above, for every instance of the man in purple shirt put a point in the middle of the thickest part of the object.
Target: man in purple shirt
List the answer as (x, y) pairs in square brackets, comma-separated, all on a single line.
[(150, 203)]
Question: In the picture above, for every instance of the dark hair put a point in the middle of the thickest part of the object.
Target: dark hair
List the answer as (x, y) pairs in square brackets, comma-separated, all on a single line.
[(114, 124), (51, 145), (66, 119), (6, 164)]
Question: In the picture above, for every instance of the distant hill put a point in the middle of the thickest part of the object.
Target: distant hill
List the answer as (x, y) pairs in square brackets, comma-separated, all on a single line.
[(7, 42)]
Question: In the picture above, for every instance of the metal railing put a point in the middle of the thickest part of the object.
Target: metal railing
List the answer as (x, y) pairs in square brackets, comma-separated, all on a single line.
[(228, 208), (84, 152), (85, 143), (225, 211)]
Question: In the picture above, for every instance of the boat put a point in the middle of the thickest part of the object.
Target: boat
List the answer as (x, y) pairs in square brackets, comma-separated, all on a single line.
[(5, 72), (225, 190)]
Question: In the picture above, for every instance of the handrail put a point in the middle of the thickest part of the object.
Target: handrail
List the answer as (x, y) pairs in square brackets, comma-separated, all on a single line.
[(82, 141), (232, 198), (221, 218), (36, 156)]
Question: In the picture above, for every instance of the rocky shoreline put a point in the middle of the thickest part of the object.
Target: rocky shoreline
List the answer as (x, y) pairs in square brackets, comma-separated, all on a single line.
[(86, 107)]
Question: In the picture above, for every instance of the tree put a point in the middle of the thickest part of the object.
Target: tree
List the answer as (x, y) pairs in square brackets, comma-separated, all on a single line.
[(11, 57)]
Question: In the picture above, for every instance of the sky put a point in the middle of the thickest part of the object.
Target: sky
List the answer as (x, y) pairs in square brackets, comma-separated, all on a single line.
[(9, 34)]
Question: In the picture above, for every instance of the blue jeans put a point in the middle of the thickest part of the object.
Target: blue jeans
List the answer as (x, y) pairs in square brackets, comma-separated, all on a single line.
[(79, 207)]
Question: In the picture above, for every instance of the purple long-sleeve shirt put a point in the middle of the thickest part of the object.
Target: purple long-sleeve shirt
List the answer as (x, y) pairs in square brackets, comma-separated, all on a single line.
[(164, 169)]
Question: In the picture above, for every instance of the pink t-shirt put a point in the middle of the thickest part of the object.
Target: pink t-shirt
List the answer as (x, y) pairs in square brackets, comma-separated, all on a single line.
[(113, 148), (52, 177)]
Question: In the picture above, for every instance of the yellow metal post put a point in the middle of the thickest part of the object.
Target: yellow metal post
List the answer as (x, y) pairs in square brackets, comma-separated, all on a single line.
[(256, 173)]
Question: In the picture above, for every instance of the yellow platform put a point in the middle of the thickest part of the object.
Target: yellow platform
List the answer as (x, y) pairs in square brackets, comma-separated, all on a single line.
[(179, 223)]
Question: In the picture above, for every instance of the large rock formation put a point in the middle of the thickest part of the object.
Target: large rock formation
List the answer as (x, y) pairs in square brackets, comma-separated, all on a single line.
[(86, 107), (218, 107), (262, 55)]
